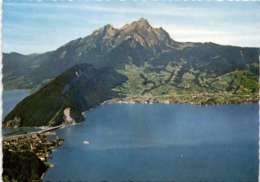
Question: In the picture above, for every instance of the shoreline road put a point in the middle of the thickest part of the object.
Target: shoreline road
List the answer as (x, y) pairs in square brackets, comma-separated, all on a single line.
[(31, 133)]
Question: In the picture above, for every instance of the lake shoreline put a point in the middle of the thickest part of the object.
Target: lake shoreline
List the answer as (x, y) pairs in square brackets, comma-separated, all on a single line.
[(148, 101), (132, 101)]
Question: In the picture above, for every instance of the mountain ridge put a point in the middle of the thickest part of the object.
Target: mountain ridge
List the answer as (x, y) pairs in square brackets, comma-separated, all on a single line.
[(145, 64), (67, 55)]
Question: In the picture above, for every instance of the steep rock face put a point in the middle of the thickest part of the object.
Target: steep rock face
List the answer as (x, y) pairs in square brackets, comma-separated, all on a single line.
[(155, 39), (80, 88), (67, 118), (14, 123)]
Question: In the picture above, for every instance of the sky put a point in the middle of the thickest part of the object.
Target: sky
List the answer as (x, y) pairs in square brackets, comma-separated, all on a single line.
[(37, 26)]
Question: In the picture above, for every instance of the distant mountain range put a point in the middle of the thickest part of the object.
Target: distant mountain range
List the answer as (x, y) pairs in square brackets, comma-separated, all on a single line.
[(134, 63)]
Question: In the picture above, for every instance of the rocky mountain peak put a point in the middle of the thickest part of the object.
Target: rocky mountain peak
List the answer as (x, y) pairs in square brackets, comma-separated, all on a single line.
[(108, 31), (137, 25), (142, 22), (108, 26), (155, 39)]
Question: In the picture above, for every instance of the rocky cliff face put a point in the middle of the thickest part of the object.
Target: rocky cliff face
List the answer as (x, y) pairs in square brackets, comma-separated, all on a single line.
[(156, 39), (67, 118), (14, 123)]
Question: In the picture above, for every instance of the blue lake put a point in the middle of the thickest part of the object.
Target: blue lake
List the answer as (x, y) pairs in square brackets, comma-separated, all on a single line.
[(160, 142)]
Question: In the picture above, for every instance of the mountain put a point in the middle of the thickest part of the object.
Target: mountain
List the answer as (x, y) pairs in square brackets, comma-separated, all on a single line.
[(138, 38), (78, 89), (139, 63), (99, 47), (17, 66)]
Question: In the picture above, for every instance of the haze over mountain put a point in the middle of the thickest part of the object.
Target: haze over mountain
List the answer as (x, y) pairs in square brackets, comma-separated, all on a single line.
[(137, 63)]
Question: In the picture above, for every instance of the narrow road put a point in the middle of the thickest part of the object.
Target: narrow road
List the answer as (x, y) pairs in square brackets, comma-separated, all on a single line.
[(31, 133)]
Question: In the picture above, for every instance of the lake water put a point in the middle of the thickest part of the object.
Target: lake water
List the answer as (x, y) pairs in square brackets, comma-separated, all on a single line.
[(160, 142), (10, 99)]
